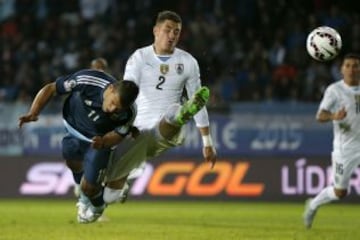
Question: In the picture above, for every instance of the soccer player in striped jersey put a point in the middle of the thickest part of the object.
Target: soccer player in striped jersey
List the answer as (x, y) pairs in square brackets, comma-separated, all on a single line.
[(162, 71), (341, 105), (98, 113)]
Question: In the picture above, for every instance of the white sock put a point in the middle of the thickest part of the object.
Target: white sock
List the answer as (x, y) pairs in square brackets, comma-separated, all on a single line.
[(325, 196), (112, 195)]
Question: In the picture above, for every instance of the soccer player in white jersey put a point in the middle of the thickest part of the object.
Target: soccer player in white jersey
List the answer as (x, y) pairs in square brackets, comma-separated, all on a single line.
[(341, 105), (161, 71)]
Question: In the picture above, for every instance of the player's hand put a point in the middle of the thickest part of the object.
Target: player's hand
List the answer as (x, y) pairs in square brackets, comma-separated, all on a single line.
[(209, 154), (97, 142), (134, 131), (27, 118), (340, 115)]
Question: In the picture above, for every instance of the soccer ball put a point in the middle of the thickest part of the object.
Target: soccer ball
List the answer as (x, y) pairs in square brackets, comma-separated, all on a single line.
[(323, 43)]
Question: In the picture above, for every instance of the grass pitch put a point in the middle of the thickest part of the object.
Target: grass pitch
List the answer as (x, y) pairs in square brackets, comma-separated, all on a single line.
[(56, 219)]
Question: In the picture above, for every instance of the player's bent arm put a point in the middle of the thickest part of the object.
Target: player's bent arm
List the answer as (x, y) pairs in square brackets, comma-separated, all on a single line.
[(39, 102), (109, 140), (324, 116), (42, 98)]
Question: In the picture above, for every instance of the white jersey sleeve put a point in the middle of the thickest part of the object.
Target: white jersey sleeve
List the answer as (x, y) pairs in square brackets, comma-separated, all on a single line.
[(132, 68), (329, 101), (194, 83)]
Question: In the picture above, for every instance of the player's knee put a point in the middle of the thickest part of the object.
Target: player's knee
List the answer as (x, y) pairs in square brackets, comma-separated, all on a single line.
[(75, 166), (112, 195), (340, 193)]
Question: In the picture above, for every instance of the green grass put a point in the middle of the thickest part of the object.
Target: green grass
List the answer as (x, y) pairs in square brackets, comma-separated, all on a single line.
[(56, 219)]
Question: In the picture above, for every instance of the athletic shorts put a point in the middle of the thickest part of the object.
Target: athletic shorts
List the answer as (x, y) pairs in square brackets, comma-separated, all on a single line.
[(94, 161), (132, 152), (343, 166)]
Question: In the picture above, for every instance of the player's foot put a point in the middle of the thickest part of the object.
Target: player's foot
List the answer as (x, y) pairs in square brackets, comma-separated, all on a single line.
[(133, 175), (82, 205), (136, 172), (193, 106), (125, 192), (82, 208), (309, 214), (91, 214)]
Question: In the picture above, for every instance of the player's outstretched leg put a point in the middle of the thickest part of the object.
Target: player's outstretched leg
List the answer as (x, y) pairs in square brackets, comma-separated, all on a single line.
[(309, 214), (193, 105)]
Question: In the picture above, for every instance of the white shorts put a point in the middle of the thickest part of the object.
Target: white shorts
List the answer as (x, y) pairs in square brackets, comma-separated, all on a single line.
[(343, 166), (132, 152)]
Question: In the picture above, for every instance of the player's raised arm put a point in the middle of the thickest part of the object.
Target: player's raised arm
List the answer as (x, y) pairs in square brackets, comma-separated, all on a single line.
[(40, 101)]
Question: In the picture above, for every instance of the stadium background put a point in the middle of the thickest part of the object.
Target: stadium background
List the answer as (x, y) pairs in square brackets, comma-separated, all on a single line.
[(265, 92)]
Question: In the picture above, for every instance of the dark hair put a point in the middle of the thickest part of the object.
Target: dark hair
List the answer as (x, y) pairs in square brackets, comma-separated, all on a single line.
[(168, 15), (128, 92), (352, 56)]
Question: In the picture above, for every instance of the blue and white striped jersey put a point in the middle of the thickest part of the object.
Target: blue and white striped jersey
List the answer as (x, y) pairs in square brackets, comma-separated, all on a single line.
[(83, 107)]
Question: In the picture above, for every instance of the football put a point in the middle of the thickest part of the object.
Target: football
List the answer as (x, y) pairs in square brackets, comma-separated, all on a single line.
[(323, 43)]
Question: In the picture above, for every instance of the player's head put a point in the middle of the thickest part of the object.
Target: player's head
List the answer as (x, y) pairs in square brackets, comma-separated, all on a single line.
[(350, 68), (166, 31), (99, 64), (119, 95)]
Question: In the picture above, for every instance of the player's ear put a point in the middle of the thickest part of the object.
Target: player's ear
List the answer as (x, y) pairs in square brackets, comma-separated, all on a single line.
[(155, 29)]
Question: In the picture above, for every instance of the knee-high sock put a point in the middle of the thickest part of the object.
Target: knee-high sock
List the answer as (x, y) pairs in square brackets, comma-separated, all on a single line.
[(97, 200), (325, 196)]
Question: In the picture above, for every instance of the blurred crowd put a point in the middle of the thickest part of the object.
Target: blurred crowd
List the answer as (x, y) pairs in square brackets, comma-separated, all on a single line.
[(248, 50)]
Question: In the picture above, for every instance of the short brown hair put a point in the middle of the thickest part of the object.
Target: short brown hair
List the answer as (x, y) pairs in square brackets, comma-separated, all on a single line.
[(99, 64), (168, 15), (352, 56)]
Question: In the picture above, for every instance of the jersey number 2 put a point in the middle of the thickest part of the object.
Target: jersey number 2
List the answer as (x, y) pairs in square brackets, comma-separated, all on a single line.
[(161, 82)]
